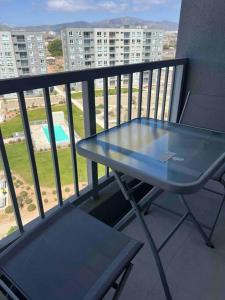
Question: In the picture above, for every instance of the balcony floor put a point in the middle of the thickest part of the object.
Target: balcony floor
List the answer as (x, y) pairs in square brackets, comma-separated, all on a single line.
[(194, 271)]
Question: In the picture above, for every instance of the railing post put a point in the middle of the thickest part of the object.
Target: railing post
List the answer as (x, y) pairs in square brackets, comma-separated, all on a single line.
[(177, 89), (88, 91)]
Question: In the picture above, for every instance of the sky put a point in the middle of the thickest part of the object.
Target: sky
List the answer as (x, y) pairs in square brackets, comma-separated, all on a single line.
[(25, 12)]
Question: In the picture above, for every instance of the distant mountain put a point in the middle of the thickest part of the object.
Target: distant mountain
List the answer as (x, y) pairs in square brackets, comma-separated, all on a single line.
[(165, 25)]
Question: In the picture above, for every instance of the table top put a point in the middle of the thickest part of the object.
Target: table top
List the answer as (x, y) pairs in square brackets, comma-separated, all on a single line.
[(71, 255), (173, 157)]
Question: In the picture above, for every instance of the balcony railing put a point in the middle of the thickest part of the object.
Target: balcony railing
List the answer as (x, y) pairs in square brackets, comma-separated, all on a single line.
[(156, 85)]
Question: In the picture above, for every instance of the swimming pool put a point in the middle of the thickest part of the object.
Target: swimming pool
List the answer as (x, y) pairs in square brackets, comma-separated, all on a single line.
[(60, 134)]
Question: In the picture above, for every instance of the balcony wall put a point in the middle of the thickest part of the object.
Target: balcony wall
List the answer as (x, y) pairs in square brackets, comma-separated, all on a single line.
[(201, 39)]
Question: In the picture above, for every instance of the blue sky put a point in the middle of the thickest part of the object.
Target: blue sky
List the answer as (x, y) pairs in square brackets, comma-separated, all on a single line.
[(25, 12)]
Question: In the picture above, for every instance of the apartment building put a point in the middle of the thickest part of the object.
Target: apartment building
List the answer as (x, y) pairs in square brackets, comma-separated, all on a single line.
[(8, 68), (22, 53), (102, 47)]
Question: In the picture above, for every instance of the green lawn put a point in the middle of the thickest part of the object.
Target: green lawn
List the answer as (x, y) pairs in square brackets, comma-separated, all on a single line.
[(99, 93), (18, 157), (19, 163), (15, 124)]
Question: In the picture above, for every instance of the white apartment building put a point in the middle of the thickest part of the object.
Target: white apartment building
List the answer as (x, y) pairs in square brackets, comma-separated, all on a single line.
[(102, 47), (8, 68), (22, 53)]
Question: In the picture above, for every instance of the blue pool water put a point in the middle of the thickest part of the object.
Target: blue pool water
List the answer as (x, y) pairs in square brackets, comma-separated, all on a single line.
[(60, 135)]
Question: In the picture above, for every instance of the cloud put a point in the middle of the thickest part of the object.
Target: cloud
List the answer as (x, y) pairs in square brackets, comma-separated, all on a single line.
[(114, 6)]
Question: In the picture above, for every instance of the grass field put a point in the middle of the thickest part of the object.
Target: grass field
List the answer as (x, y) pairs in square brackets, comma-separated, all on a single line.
[(18, 157), (99, 93), (15, 124), (19, 163)]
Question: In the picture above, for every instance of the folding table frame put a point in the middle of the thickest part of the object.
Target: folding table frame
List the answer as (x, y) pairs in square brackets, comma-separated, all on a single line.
[(128, 194)]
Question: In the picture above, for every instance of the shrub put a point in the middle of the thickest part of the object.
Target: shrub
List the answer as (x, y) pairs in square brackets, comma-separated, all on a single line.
[(46, 200), (24, 194), (11, 230), (31, 207), (98, 111), (28, 188), (28, 201), (67, 189), (55, 199), (54, 192), (9, 209), (44, 193), (100, 106)]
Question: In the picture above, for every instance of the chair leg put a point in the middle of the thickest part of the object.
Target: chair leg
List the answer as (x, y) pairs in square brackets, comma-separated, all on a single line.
[(122, 282), (196, 223), (218, 213)]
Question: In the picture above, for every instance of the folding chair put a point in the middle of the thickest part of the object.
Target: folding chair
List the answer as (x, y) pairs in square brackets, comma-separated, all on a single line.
[(70, 255), (207, 112)]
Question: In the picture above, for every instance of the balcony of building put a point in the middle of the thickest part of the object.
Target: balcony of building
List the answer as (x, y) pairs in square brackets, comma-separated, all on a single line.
[(154, 89)]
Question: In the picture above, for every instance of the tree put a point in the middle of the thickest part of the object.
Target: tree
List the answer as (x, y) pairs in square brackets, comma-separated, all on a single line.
[(55, 47)]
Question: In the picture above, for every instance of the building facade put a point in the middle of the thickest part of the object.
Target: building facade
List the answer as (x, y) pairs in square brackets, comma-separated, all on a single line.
[(101, 47), (22, 53)]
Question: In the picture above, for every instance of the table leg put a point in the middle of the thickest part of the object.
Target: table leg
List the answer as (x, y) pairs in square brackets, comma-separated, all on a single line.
[(151, 242)]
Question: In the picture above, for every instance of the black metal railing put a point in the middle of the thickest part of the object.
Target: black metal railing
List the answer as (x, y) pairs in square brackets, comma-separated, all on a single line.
[(164, 80)]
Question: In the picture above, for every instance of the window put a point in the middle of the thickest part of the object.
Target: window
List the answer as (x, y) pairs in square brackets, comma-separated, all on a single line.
[(39, 37), (71, 41), (8, 54), (99, 33), (20, 38), (5, 37), (70, 33)]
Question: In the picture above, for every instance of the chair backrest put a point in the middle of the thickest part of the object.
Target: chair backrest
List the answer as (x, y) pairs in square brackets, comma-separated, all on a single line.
[(204, 111)]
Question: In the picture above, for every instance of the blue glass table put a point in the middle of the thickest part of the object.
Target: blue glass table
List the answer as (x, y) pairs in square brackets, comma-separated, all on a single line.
[(172, 157)]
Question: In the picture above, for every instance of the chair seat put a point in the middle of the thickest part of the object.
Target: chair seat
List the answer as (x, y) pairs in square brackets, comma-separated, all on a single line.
[(69, 256)]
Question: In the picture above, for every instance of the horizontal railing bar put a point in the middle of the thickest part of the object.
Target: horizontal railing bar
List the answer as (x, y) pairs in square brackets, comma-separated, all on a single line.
[(26, 126), (9, 180), (72, 138), (14, 85)]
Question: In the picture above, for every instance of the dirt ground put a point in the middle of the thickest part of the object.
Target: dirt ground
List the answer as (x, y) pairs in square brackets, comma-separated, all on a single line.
[(49, 198)]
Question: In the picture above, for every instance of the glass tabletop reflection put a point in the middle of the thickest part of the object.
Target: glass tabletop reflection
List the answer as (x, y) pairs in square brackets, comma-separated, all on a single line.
[(169, 155)]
